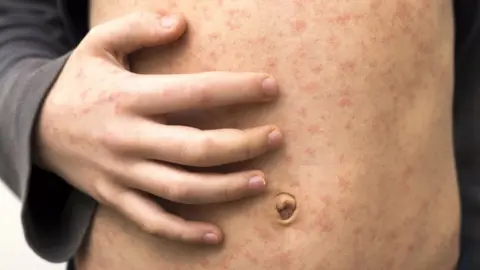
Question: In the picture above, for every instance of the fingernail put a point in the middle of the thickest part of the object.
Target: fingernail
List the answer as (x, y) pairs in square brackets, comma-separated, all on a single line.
[(169, 21), (275, 138), (210, 238), (257, 183), (270, 87)]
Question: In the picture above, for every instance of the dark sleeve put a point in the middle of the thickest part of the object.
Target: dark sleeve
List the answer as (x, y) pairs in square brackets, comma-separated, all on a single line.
[(34, 46), (466, 126)]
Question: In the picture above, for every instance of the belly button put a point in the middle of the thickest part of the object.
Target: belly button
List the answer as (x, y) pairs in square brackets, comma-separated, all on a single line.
[(286, 206)]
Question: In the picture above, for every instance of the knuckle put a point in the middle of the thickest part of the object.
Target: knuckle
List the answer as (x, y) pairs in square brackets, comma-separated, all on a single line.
[(172, 234), (201, 153), (116, 139), (248, 144), (142, 20), (248, 150), (136, 18), (139, 16), (94, 34), (110, 137), (201, 94), (227, 194), (150, 226), (95, 31), (125, 96), (178, 192), (242, 147), (234, 188), (103, 192), (120, 97)]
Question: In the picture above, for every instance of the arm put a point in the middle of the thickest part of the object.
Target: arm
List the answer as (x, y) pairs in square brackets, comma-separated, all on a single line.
[(74, 125), (32, 41)]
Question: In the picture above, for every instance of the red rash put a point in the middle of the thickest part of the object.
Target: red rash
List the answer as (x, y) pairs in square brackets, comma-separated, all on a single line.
[(213, 36), (317, 69), (311, 87), (310, 152), (302, 112), (314, 129), (345, 102), (299, 26)]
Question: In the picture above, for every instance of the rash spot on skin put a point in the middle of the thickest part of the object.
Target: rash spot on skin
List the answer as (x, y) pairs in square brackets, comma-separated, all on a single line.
[(333, 41), (204, 263), (271, 63), (345, 102), (213, 56), (345, 19), (285, 205), (172, 5), (261, 40), (302, 112), (239, 55), (288, 159), (213, 36), (299, 3), (292, 135), (206, 13), (343, 183), (317, 69), (311, 152), (324, 222), (348, 66), (232, 26), (301, 52), (314, 129), (252, 257), (326, 199), (341, 159), (408, 172), (402, 11), (298, 26), (358, 231), (263, 233), (349, 124), (342, 19), (311, 87), (284, 259), (236, 16)]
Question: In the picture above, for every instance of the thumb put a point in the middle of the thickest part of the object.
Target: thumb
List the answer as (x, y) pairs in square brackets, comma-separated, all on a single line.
[(133, 32)]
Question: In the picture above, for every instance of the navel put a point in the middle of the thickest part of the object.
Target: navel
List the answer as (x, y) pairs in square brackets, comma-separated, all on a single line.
[(286, 207)]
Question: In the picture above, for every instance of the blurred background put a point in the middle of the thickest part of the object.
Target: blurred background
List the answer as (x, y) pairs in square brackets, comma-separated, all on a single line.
[(14, 251)]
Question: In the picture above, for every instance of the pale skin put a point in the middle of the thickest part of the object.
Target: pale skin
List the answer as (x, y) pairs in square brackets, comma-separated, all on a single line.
[(366, 93), (101, 128)]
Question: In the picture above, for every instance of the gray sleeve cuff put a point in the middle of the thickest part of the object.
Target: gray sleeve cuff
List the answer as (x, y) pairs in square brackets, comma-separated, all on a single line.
[(55, 216)]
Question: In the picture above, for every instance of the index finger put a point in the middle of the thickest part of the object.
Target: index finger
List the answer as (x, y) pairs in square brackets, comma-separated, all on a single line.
[(160, 94)]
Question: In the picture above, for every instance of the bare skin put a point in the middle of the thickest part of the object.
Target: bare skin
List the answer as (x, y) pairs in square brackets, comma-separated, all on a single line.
[(103, 129), (366, 179)]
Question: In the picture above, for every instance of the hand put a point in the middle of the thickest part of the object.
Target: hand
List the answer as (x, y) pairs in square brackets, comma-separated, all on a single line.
[(102, 129)]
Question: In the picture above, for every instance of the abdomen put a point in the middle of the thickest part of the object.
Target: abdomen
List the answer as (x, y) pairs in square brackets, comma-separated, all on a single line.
[(365, 106)]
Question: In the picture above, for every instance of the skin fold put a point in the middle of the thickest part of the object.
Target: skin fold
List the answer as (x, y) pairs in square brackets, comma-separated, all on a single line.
[(366, 178)]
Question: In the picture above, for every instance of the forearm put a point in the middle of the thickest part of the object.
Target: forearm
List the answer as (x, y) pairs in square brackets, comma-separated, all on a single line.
[(33, 50), (366, 101)]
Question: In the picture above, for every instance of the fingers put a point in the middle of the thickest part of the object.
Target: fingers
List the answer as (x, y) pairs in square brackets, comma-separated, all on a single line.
[(193, 147), (169, 93), (138, 30), (151, 218), (184, 187)]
